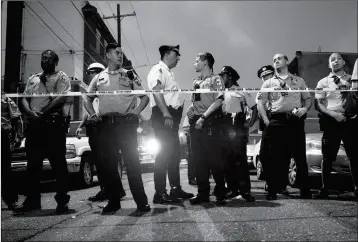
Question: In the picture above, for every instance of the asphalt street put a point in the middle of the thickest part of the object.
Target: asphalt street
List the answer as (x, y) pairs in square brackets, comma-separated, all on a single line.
[(285, 219)]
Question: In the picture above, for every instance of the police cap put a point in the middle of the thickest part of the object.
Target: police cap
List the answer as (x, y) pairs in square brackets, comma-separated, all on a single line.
[(95, 66), (231, 72), (265, 70), (165, 48)]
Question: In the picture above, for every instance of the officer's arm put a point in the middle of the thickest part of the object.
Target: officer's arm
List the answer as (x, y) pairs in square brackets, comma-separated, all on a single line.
[(88, 99), (254, 116), (213, 107), (83, 121), (63, 85), (144, 100), (262, 98), (217, 83), (26, 106)]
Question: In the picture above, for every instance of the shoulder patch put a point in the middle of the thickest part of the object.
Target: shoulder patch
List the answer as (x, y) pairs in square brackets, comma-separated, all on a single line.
[(137, 82)]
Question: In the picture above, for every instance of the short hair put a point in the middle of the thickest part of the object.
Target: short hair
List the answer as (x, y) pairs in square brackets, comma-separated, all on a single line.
[(53, 53), (329, 58), (208, 57), (112, 46)]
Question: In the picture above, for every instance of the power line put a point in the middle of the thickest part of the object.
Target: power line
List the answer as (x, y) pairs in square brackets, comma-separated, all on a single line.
[(68, 32), (50, 35), (145, 49), (88, 24), (46, 25), (110, 29)]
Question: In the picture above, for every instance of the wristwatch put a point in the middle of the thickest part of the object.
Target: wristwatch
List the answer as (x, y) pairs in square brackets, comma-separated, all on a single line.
[(203, 116)]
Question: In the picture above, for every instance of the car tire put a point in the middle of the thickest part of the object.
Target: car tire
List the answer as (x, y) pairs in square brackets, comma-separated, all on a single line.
[(259, 170), (86, 172), (292, 173)]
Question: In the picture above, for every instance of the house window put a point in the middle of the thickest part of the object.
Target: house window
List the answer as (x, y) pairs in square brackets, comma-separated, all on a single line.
[(98, 42)]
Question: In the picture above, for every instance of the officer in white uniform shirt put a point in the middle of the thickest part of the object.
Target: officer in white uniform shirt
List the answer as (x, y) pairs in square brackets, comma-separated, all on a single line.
[(167, 112), (235, 133)]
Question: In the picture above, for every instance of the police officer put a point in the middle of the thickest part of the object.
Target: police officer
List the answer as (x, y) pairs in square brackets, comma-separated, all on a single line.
[(91, 130), (235, 133), (338, 121), (11, 136), (46, 131), (117, 129), (284, 134), (191, 165), (167, 111), (205, 115)]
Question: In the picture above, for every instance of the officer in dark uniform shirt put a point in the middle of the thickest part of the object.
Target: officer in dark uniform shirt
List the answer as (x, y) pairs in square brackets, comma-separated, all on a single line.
[(117, 125)]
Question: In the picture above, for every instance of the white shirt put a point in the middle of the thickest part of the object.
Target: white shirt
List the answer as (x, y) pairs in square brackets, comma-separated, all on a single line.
[(161, 77), (232, 101)]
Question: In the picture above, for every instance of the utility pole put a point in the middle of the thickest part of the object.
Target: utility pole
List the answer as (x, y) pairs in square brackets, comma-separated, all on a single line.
[(119, 17)]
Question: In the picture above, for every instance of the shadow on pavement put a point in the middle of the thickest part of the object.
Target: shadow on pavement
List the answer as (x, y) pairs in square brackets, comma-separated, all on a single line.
[(41, 213)]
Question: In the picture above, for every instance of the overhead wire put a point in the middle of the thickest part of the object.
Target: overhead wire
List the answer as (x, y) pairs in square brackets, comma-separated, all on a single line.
[(145, 49), (109, 26)]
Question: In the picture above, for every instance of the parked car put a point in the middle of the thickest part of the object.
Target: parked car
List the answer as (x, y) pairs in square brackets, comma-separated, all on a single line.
[(340, 168), (79, 157)]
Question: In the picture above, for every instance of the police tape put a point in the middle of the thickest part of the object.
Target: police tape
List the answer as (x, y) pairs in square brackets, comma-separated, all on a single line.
[(190, 91)]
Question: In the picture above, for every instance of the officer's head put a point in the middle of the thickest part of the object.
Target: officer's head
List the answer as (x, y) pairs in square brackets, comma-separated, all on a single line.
[(229, 75), (49, 61), (280, 61), (94, 69), (114, 54), (336, 62), (169, 55), (204, 61), (266, 72)]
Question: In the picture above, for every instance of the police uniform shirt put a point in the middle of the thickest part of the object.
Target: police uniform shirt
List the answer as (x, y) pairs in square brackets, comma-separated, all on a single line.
[(355, 71), (234, 101), (56, 82), (9, 111), (206, 99), (281, 101), (333, 99), (161, 77), (113, 81)]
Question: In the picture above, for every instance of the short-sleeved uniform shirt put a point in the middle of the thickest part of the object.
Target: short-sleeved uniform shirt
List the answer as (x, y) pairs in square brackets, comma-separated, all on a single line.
[(333, 99), (355, 71), (280, 102), (9, 111), (206, 99), (56, 82), (161, 77), (113, 81), (235, 102)]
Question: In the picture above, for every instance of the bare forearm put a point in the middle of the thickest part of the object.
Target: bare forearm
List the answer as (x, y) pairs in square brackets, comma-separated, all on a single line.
[(322, 108), (307, 103), (159, 100), (144, 100), (88, 103), (213, 107), (254, 115), (56, 103), (262, 111), (25, 106)]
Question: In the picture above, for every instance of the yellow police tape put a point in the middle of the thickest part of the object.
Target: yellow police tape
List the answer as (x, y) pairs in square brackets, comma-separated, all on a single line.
[(141, 92)]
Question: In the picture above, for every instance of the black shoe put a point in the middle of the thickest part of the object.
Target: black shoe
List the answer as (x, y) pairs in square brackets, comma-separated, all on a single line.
[(284, 192), (144, 209), (62, 208), (111, 208), (192, 182), (232, 194), (322, 194), (12, 205), (220, 201), (164, 198), (29, 205), (99, 197), (180, 194), (272, 196), (248, 197), (199, 199), (306, 194)]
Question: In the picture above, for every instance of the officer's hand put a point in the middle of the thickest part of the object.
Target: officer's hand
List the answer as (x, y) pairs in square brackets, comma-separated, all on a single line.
[(95, 118), (190, 112), (267, 122), (78, 133), (199, 123), (168, 122), (339, 117), (300, 112), (35, 114)]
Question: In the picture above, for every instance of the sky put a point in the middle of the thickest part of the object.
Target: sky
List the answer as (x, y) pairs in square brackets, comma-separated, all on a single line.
[(242, 34)]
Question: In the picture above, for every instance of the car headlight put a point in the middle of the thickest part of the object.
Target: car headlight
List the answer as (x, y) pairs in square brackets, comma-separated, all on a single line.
[(152, 146), (70, 151)]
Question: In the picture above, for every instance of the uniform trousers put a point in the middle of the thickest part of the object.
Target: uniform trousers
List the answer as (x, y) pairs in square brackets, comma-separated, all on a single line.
[(46, 138), (236, 168), (168, 157), (206, 149), (282, 139), (8, 182), (114, 134), (191, 165), (333, 133)]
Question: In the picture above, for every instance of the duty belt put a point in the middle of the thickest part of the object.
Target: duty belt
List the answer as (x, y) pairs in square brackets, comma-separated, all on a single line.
[(285, 116), (114, 119)]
